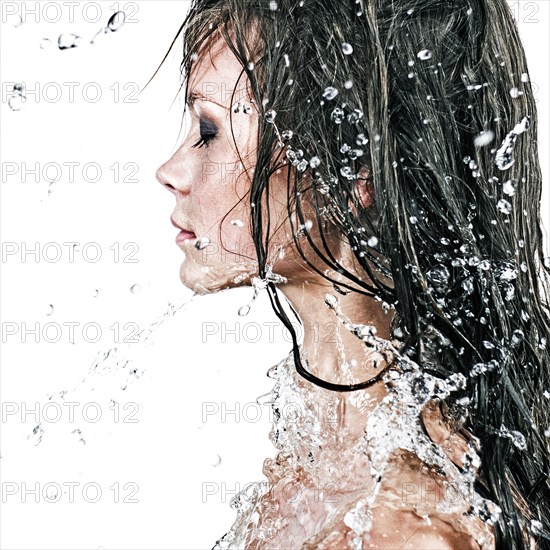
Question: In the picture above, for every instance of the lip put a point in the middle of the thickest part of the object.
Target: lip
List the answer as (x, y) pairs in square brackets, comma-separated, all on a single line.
[(184, 234)]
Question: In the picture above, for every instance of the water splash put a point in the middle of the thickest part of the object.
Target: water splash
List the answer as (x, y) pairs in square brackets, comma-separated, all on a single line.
[(116, 362), (326, 430), (67, 41), (259, 284), (116, 21), (504, 158)]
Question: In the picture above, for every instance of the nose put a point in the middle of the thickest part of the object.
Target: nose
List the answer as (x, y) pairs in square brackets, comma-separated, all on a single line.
[(174, 175)]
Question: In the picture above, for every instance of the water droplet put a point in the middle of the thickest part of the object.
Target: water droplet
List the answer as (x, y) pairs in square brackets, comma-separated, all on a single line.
[(307, 225), (337, 115), (508, 274), (15, 102), (361, 139), (302, 165), (481, 368), (49, 309), (514, 92), (45, 43), (517, 337), (372, 241), (287, 134), (341, 290), (348, 173), (95, 293), (439, 275), (37, 434), (468, 285), (135, 289), (314, 162), (355, 116), (330, 93), (273, 6), (413, 220), (348, 84), (216, 461), (504, 206), (547, 262), (202, 243), (238, 223), (424, 54), (484, 138), (469, 11), (509, 187), (244, 310), (347, 48), (68, 40), (270, 116), (116, 21), (524, 77)]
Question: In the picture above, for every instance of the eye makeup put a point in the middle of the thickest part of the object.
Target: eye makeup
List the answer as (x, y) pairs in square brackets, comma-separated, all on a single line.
[(208, 132)]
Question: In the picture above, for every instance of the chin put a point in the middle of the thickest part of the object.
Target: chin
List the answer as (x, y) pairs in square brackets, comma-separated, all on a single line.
[(208, 279)]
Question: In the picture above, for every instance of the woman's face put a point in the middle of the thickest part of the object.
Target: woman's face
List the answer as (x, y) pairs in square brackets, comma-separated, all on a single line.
[(208, 180), (210, 184)]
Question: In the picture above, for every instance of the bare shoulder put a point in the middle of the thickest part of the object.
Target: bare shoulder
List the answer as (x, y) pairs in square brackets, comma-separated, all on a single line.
[(405, 529), (395, 529)]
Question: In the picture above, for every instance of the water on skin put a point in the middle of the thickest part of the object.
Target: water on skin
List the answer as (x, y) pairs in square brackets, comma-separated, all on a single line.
[(307, 489)]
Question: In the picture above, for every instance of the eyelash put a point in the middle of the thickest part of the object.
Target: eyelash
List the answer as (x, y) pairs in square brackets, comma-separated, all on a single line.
[(205, 139)]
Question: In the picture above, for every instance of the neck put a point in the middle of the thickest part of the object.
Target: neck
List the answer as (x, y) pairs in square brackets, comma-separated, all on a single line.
[(331, 349)]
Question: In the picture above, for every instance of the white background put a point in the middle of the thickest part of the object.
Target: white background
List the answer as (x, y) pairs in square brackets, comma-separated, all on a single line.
[(184, 466)]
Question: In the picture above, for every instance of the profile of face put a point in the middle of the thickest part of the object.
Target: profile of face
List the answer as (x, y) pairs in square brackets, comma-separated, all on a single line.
[(210, 176), (208, 179)]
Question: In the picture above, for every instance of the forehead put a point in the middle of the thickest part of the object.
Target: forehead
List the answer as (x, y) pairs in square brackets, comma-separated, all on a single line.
[(217, 73)]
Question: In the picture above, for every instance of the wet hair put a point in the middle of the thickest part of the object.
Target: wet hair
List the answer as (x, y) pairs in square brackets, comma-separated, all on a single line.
[(432, 99)]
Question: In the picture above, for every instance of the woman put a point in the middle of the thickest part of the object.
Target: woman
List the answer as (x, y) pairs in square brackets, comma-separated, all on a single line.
[(375, 164)]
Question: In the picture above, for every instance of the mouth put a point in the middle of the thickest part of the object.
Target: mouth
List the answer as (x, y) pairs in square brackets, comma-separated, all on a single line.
[(184, 234)]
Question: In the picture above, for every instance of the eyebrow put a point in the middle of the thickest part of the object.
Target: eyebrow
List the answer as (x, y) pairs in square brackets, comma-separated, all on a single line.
[(194, 95)]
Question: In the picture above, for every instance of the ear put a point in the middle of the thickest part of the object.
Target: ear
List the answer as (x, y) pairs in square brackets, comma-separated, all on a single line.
[(363, 190)]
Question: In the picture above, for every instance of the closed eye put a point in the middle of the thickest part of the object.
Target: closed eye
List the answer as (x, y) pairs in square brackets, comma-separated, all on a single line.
[(208, 132)]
